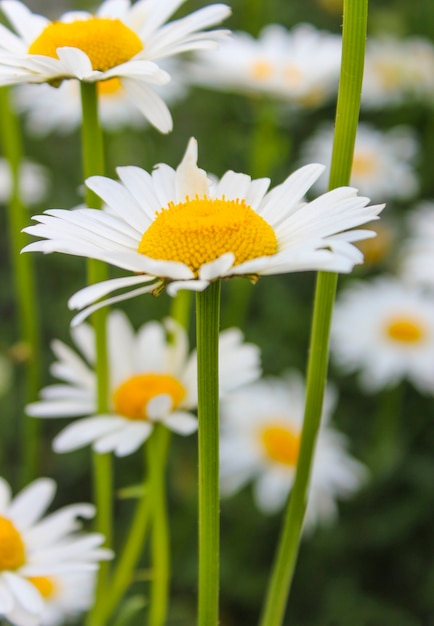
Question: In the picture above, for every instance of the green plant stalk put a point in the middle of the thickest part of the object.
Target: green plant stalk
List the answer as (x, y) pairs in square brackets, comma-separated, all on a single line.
[(207, 337), (160, 552), (93, 163), (28, 310), (347, 113)]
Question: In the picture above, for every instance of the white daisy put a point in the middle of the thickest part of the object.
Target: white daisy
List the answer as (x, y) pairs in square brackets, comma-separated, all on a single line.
[(152, 379), (33, 182), (65, 596), (179, 227), (120, 41), (398, 70), (260, 437), (383, 163), (59, 110), (33, 547), (385, 330), (417, 256), (299, 66)]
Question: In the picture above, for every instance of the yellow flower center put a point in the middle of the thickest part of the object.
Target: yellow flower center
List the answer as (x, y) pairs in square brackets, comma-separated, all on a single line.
[(46, 586), (110, 87), (261, 70), (280, 444), (198, 231), (292, 75), (12, 552), (363, 164), (107, 42), (131, 397), (405, 330)]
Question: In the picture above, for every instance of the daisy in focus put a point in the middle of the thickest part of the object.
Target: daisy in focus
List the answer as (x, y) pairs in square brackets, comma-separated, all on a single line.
[(33, 182), (398, 71), (121, 42), (383, 163), (417, 260), (181, 229), (152, 377), (385, 330), (260, 439), (35, 551), (59, 110), (300, 66)]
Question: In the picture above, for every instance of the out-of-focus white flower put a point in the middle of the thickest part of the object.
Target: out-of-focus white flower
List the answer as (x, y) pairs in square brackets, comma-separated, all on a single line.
[(398, 70), (120, 41), (33, 182), (178, 227), (383, 164), (152, 377), (299, 66), (260, 437), (35, 550), (417, 257), (385, 330), (59, 110)]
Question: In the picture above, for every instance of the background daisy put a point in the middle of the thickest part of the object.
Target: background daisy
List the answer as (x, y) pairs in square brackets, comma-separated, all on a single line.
[(34, 182), (152, 376), (417, 253)]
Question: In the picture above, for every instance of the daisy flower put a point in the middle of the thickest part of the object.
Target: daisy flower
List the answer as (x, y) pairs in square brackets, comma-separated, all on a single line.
[(120, 41), (33, 182), (179, 228), (260, 439), (299, 66), (385, 330), (417, 260), (383, 163), (398, 70), (59, 110), (33, 548), (152, 379)]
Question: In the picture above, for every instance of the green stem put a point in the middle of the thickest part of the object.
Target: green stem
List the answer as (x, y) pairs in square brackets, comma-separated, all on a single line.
[(157, 455), (348, 105), (385, 440), (207, 337), (93, 163), (28, 311)]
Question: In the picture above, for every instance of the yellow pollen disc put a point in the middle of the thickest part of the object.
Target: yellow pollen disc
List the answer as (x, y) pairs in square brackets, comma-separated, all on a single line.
[(405, 330), (110, 87), (131, 397), (261, 70), (45, 586), (107, 42), (12, 552), (281, 444), (363, 164), (198, 231), (292, 75)]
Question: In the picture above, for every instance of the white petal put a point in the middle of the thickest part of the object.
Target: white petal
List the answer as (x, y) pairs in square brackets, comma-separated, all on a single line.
[(191, 285), (26, 593), (150, 104), (83, 432), (75, 62), (5, 495), (218, 267), (159, 406), (93, 292), (181, 422), (132, 437), (190, 180), (32, 502)]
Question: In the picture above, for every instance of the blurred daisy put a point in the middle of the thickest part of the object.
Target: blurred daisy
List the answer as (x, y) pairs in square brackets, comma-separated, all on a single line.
[(182, 229), (35, 550), (417, 256), (300, 66), (260, 439), (120, 41), (59, 110), (152, 379), (398, 70), (33, 182), (385, 330), (383, 163)]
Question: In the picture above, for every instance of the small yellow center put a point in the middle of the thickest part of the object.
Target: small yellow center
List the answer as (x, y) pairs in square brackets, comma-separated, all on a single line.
[(12, 552), (405, 330), (261, 70), (363, 164), (46, 586), (110, 87), (107, 42), (292, 75), (131, 397), (198, 231), (280, 444)]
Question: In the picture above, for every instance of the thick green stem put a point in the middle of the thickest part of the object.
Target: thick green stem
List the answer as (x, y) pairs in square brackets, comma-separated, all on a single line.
[(93, 163), (25, 284), (207, 337), (354, 36)]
